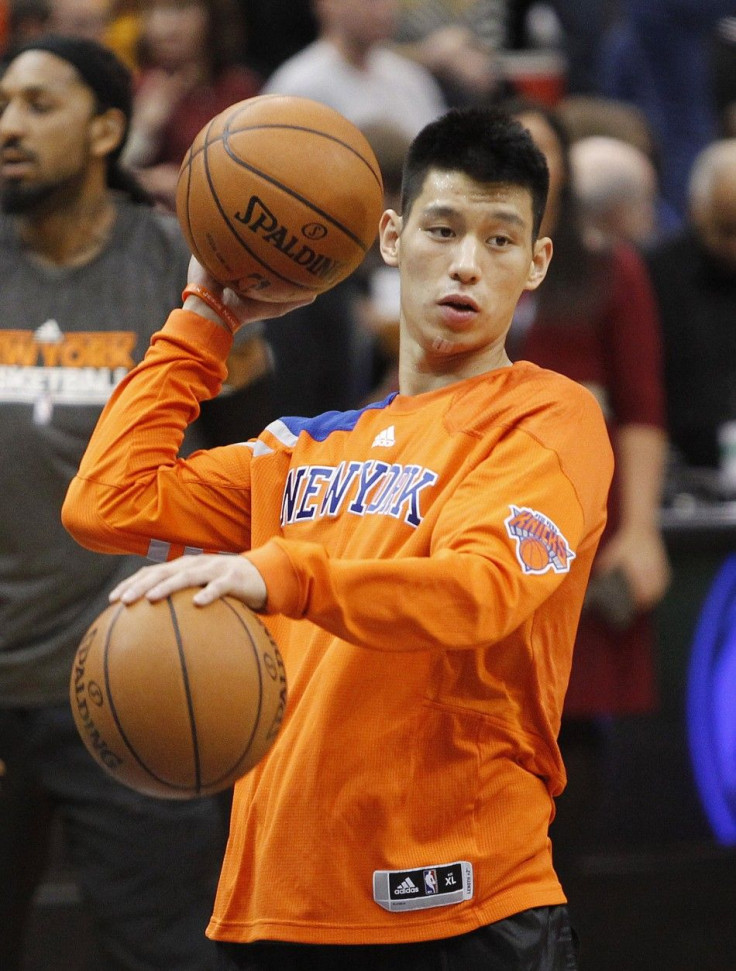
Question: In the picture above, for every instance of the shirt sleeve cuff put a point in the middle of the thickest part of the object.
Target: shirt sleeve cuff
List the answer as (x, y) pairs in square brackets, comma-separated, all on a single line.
[(190, 327), (282, 583)]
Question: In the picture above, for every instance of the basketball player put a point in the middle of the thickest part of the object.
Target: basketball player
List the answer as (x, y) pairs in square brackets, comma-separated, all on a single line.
[(422, 564), (85, 264)]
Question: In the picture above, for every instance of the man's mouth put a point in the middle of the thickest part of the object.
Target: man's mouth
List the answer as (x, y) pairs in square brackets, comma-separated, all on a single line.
[(459, 302), (13, 162)]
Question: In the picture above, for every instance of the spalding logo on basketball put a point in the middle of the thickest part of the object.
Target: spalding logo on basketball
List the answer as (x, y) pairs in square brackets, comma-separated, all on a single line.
[(279, 197), (176, 700)]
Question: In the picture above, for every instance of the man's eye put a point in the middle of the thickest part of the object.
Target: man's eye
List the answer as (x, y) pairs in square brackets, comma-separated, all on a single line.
[(443, 231)]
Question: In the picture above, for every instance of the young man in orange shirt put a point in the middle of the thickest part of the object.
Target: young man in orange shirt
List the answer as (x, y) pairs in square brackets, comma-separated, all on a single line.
[(421, 563)]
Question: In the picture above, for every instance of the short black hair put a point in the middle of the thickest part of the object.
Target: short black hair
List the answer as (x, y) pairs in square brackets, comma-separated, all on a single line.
[(485, 143)]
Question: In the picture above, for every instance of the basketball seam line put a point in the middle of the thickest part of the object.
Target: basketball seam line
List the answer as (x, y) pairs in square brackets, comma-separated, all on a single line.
[(313, 131), (188, 693), (259, 711), (113, 710)]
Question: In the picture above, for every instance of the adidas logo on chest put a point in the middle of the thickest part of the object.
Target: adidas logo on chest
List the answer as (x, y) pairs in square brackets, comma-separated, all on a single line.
[(385, 438)]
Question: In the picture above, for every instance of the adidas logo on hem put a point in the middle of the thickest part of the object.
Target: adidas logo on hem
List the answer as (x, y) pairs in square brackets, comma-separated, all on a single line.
[(407, 886), (385, 439), (48, 333)]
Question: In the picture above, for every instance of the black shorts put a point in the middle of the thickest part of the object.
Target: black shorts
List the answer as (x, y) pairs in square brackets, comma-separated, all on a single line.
[(540, 939)]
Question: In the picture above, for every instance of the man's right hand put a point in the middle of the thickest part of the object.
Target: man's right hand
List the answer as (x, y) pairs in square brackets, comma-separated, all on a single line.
[(241, 310)]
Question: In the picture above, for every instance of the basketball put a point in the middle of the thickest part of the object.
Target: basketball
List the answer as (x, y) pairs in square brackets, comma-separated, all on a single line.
[(175, 700), (279, 197), (534, 554)]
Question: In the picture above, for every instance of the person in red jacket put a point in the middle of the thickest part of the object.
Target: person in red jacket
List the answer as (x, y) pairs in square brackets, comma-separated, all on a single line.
[(422, 564), (597, 321), (191, 67)]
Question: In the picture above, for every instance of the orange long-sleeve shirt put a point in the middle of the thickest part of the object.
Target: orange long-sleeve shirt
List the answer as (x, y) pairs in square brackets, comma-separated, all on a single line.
[(425, 560)]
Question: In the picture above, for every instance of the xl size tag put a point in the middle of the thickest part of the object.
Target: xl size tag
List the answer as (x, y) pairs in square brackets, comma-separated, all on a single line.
[(431, 886)]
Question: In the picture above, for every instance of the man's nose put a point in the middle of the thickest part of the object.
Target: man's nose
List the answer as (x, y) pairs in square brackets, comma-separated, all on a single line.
[(11, 121), (466, 262)]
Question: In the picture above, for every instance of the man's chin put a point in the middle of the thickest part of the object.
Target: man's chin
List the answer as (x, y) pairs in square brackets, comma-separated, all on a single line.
[(17, 198)]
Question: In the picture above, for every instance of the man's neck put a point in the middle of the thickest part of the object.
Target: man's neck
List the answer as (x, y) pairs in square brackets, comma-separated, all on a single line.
[(69, 236), (419, 375), (355, 54)]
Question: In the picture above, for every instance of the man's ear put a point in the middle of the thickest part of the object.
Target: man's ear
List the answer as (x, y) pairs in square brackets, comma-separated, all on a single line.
[(107, 131), (389, 231), (540, 262)]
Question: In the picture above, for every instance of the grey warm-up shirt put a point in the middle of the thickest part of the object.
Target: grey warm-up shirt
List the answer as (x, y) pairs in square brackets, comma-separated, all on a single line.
[(67, 336)]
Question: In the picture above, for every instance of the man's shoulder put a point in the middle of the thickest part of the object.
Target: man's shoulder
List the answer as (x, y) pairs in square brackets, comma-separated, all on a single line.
[(149, 218), (307, 65), (528, 404), (563, 416), (543, 388), (141, 226), (410, 76), (530, 398), (560, 413), (394, 61)]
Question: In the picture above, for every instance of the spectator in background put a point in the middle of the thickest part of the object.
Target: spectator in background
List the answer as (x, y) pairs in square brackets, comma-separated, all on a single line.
[(658, 56), (378, 305), (724, 75), (595, 116), (352, 68), (276, 30), (190, 54), (458, 42), (586, 115), (595, 320), (123, 31), (616, 186), (26, 19), (79, 254), (578, 34), (113, 23), (81, 18), (694, 276), (320, 358)]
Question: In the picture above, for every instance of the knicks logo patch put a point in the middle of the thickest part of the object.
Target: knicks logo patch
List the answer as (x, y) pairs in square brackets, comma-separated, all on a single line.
[(540, 546)]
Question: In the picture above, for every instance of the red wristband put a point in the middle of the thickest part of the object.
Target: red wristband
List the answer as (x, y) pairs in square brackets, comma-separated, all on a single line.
[(207, 296)]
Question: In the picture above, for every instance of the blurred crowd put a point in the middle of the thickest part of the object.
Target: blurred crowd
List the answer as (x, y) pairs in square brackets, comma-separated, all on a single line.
[(633, 103)]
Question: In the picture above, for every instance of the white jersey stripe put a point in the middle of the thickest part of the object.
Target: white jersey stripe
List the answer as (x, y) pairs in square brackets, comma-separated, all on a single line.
[(158, 551)]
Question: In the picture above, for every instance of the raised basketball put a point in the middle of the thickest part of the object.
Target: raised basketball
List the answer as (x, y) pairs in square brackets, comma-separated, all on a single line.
[(279, 197), (176, 700)]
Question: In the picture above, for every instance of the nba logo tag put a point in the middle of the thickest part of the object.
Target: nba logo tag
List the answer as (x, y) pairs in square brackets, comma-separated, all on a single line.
[(430, 881)]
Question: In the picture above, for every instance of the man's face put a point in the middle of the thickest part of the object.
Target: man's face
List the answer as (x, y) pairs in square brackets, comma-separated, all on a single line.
[(714, 218), (45, 116), (466, 254), (175, 32), (81, 18), (363, 22)]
